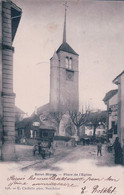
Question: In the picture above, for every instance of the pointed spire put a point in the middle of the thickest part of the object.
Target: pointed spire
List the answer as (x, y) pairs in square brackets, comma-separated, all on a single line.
[(64, 31)]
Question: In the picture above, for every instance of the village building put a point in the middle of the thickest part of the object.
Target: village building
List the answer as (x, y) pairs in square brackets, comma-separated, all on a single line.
[(31, 129), (9, 21), (95, 127), (111, 101), (114, 100), (119, 81), (100, 130), (19, 114)]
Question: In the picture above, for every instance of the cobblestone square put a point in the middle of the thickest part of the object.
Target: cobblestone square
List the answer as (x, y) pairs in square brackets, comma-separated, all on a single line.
[(26, 160)]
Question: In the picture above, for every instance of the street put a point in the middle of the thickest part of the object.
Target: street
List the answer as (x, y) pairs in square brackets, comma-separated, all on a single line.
[(26, 160)]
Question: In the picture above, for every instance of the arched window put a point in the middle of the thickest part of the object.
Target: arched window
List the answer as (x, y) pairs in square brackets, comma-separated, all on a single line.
[(68, 63), (31, 133)]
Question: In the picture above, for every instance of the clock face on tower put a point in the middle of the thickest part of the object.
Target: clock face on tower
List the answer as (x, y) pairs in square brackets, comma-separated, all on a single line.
[(69, 75)]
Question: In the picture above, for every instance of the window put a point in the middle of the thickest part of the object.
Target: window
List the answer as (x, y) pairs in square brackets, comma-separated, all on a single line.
[(45, 134), (20, 132), (114, 127), (31, 133), (35, 134), (68, 63), (23, 133), (113, 124)]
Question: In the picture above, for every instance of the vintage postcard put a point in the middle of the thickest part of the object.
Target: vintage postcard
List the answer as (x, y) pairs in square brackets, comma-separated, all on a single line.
[(61, 97)]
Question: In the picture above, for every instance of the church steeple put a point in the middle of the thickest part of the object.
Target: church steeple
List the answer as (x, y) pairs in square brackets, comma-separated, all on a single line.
[(64, 30), (64, 74), (65, 46)]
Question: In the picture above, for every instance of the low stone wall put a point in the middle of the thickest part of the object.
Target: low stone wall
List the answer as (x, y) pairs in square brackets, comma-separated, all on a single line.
[(56, 143), (27, 141), (60, 143)]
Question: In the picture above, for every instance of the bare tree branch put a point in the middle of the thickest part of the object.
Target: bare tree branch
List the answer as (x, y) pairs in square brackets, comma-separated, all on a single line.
[(57, 116), (79, 118)]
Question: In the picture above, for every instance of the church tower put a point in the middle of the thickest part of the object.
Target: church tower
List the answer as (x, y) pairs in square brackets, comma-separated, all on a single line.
[(64, 76)]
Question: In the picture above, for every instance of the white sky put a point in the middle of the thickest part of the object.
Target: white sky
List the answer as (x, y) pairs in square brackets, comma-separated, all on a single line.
[(95, 30)]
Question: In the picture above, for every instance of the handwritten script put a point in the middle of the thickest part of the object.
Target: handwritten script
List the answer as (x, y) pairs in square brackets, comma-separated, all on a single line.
[(52, 181)]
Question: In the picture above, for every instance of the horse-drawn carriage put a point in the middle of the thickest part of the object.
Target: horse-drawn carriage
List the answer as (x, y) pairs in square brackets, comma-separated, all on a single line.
[(44, 145)]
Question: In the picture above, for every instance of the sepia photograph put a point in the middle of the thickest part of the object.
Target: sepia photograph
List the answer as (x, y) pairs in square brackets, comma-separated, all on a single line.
[(61, 97)]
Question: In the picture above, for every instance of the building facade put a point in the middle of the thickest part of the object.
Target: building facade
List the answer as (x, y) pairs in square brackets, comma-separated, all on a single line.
[(111, 101), (119, 80), (9, 20), (30, 130), (100, 130)]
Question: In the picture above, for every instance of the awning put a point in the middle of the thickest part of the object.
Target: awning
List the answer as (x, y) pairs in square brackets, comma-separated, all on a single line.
[(16, 13)]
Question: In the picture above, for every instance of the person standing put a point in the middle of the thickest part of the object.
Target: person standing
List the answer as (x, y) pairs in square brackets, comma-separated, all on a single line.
[(34, 149), (39, 147), (117, 151), (99, 148)]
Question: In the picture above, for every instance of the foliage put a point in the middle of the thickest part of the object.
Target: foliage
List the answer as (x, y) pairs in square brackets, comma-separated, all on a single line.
[(96, 119)]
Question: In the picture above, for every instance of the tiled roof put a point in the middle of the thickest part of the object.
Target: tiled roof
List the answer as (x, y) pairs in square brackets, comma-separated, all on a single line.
[(67, 48), (116, 79), (28, 123), (16, 13), (25, 122), (42, 109), (110, 94), (42, 126)]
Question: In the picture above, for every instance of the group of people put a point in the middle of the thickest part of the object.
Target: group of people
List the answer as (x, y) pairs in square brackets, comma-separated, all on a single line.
[(118, 152), (43, 149), (37, 147)]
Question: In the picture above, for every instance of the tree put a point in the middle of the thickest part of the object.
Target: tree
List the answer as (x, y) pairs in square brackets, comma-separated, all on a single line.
[(96, 119), (56, 116), (79, 119)]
